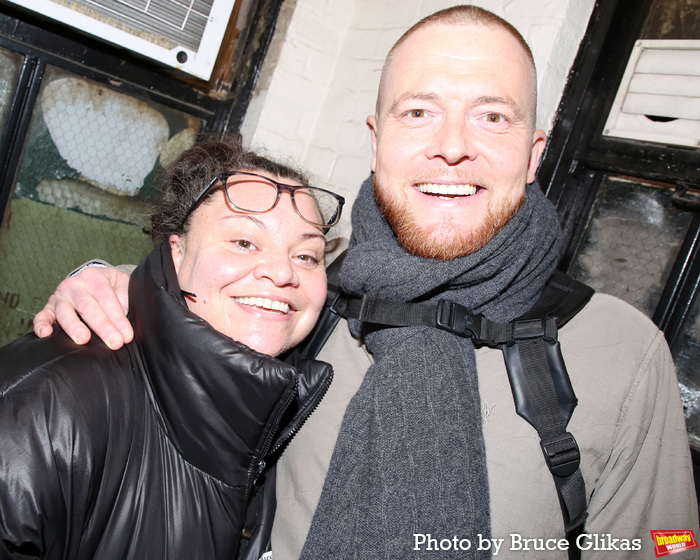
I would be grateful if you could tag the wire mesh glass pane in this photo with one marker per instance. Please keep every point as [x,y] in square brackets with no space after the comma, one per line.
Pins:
[632,242]
[688,368]
[88,170]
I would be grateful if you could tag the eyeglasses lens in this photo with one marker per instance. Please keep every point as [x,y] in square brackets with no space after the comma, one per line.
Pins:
[251,194]
[255,194]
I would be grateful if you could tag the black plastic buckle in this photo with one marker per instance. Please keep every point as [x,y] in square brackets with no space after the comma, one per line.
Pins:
[455,319]
[561,453]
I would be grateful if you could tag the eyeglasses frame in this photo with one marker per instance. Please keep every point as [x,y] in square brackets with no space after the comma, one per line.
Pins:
[281,187]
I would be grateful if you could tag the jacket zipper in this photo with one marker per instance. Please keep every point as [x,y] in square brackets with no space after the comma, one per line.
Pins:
[300,420]
[264,452]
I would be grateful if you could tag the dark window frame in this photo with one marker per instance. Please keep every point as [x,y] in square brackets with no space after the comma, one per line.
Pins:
[578,158]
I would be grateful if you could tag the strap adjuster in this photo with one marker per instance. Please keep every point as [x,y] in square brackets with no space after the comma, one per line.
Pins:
[528,329]
[561,453]
[335,302]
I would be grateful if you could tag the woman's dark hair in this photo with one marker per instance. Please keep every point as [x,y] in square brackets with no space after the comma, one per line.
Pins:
[196,168]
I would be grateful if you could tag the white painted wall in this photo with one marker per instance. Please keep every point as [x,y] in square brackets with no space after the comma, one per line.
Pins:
[320,77]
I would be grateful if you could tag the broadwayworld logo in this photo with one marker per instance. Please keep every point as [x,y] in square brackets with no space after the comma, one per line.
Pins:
[670,542]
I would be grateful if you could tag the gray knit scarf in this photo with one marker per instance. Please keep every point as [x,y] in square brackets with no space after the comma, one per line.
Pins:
[410,459]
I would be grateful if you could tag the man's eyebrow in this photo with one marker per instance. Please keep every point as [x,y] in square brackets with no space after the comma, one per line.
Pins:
[500,100]
[413,96]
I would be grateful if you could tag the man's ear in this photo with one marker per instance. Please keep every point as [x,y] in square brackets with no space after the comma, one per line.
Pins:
[177,250]
[539,140]
[372,124]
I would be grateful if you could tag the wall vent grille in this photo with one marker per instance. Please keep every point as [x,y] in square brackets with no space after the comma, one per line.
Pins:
[183,34]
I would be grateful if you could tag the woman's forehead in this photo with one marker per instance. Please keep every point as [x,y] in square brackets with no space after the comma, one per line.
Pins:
[272,176]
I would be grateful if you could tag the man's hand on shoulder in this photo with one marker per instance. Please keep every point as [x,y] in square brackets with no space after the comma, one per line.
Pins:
[98,295]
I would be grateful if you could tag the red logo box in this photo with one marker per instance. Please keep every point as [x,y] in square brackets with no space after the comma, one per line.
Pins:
[670,542]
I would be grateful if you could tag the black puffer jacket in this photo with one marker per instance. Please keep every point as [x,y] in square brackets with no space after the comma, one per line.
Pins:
[149,452]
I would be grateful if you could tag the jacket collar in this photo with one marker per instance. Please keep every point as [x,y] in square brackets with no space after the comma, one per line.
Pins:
[214,395]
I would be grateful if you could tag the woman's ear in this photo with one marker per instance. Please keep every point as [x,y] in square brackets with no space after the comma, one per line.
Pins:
[177,250]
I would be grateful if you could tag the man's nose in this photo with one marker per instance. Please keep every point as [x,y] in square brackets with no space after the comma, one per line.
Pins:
[277,268]
[453,141]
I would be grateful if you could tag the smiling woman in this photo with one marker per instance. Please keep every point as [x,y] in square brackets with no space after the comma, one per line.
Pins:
[248,248]
[186,417]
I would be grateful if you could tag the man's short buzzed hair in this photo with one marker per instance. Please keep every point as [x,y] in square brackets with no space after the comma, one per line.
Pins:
[460,15]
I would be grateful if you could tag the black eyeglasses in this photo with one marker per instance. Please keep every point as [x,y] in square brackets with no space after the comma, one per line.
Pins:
[322,208]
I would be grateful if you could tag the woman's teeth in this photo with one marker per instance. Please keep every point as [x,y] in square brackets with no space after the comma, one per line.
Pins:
[435,188]
[265,303]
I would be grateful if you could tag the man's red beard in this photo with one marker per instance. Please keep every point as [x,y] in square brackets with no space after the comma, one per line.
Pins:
[443,244]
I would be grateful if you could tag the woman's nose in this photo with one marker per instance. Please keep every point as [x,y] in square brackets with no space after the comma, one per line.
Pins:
[278,269]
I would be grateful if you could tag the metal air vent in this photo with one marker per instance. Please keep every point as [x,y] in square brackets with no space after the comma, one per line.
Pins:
[659,97]
[183,34]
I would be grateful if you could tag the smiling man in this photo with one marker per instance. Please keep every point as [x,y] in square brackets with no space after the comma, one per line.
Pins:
[417,450]
[454,139]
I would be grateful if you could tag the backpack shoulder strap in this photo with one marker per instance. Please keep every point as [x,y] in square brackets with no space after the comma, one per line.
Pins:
[562,298]
[544,396]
